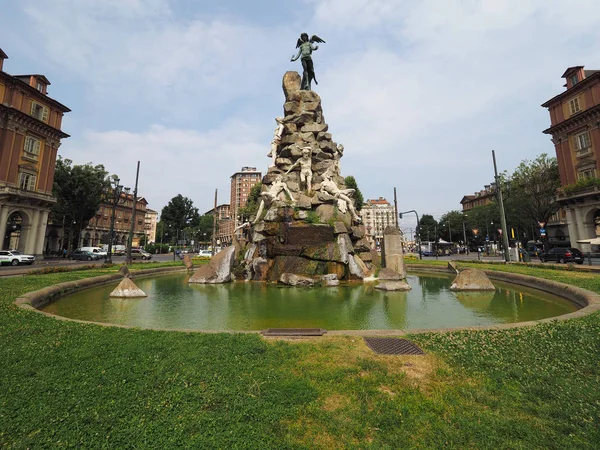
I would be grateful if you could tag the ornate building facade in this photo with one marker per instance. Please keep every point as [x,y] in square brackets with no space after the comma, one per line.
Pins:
[575,131]
[376,215]
[481,198]
[30,135]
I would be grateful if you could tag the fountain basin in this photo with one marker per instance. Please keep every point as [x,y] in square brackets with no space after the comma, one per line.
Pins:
[353,309]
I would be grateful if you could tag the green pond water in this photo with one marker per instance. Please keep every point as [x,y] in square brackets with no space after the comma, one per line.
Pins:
[173,303]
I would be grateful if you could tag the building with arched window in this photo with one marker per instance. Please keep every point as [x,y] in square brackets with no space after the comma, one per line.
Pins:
[575,131]
[30,134]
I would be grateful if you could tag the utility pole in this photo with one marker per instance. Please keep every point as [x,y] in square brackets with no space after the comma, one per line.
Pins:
[132,226]
[396,208]
[214,234]
[502,215]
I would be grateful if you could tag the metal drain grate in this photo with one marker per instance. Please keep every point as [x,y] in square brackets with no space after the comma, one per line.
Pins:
[294,332]
[393,346]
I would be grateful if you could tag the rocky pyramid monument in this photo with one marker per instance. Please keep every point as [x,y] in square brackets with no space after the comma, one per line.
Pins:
[306,223]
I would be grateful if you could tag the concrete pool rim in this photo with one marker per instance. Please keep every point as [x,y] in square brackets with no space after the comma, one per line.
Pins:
[587,301]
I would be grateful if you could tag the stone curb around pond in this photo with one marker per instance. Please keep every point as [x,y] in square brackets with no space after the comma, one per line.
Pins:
[42,297]
[588,301]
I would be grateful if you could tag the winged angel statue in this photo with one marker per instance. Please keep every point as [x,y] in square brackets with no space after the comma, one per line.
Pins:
[305,48]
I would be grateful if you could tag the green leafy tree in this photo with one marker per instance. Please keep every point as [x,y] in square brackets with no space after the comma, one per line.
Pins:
[179,215]
[350,182]
[428,228]
[450,226]
[79,190]
[251,207]
[204,230]
[483,221]
[533,187]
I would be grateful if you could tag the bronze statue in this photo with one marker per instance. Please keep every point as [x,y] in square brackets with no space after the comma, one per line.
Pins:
[305,48]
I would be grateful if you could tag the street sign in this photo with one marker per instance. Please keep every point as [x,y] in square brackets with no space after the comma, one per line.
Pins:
[499,230]
[542,232]
[487,239]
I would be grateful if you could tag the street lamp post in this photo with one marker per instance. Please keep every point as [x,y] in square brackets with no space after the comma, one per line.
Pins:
[114,196]
[502,214]
[418,237]
[132,225]
[465,239]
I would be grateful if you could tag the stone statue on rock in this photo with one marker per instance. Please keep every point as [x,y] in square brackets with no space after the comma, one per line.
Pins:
[305,48]
[270,195]
[328,186]
[305,163]
[337,155]
[276,139]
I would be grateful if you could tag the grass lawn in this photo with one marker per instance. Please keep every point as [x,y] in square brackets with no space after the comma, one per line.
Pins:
[65,384]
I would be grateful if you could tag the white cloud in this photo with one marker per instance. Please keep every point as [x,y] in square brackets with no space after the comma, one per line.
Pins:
[418,92]
[174,161]
[426,89]
[137,53]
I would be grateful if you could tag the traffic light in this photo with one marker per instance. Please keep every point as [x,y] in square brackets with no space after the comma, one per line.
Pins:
[400,215]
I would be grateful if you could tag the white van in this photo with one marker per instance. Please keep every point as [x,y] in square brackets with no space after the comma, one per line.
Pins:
[96,250]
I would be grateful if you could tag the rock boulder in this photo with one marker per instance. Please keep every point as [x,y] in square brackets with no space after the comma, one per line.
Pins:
[472,280]
[218,270]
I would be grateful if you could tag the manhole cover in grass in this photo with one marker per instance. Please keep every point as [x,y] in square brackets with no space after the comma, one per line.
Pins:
[393,346]
[294,332]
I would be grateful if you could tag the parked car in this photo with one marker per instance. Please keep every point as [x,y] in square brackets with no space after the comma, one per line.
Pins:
[85,255]
[428,253]
[15,257]
[562,255]
[138,253]
[205,254]
[97,250]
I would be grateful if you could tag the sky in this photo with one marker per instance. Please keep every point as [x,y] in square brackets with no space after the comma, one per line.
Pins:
[419,93]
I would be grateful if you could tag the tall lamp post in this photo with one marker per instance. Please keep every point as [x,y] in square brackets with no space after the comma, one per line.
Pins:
[418,237]
[132,225]
[114,197]
[502,213]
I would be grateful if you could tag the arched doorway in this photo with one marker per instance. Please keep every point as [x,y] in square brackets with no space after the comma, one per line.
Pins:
[12,234]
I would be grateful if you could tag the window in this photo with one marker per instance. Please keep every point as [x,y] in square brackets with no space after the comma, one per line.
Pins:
[40,112]
[40,87]
[574,105]
[582,143]
[574,80]
[32,147]
[27,181]
[586,173]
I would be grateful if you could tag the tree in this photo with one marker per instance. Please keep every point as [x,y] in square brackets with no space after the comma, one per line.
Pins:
[427,228]
[179,215]
[450,226]
[252,204]
[204,230]
[79,190]
[357,197]
[533,187]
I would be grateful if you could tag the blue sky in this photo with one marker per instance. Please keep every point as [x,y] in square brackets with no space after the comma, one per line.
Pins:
[419,93]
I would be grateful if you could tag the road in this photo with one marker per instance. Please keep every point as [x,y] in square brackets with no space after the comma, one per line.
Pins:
[8,271]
